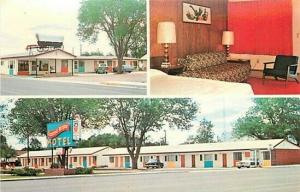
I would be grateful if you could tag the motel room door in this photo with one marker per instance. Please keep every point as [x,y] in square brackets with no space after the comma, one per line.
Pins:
[84,162]
[11,69]
[127,162]
[193,161]
[64,66]
[208,161]
[182,160]
[224,157]
[81,67]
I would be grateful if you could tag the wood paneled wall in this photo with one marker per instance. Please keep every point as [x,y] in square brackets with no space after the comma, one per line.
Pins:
[191,38]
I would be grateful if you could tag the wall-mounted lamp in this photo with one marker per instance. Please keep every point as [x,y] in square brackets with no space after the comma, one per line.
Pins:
[227,40]
[166,34]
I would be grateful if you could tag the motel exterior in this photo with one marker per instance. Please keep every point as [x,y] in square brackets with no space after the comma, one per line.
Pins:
[57,62]
[211,155]
[80,157]
[208,155]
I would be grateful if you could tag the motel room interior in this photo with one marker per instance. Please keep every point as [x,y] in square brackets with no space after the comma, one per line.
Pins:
[220,47]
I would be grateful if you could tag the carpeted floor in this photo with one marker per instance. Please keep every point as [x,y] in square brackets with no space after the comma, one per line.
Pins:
[273,87]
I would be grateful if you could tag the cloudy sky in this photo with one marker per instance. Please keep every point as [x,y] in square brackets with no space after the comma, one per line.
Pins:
[223,112]
[20,20]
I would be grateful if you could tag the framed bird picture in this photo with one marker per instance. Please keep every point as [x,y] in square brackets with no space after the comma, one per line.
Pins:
[196,14]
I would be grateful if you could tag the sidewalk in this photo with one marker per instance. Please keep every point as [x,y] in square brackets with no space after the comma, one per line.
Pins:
[133,80]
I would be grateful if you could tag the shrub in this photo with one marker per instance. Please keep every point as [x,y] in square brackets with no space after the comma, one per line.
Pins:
[26,172]
[82,171]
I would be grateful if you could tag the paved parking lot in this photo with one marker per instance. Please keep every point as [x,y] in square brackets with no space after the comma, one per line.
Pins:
[283,179]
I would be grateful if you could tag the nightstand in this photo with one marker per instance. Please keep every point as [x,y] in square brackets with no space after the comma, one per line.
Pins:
[173,70]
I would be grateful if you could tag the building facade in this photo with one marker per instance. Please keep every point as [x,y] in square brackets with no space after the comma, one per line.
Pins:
[79,157]
[212,155]
[57,62]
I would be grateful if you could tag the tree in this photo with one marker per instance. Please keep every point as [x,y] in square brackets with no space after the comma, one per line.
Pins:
[93,53]
[124,21]
[6,151]
[107,139]
[134,118]
[30,117]
[204,133]
[271,118]
[35,144]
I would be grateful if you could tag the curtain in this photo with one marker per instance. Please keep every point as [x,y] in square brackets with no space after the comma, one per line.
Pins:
[261,27]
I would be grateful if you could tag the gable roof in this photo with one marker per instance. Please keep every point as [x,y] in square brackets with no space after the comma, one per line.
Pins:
[26,54]
[74,151]
[204,147]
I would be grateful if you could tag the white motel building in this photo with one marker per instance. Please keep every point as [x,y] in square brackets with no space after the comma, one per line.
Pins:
[208,155]
[58,62]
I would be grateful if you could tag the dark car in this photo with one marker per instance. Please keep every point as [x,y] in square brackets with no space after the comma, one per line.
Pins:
[125,68]
[154,163]
[102,70]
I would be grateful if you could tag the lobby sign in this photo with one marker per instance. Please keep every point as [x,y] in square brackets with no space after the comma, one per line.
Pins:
[60,134]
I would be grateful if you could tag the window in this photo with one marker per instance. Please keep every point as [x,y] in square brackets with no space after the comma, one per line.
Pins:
[2,63]
[109,63]
[74,159]
[166,158]
[141,159]
[94,160]
[208,157]
[266,155]
[50,160]
[216,157]
[33,66]
[111,159]
[201,158]
[237,156]
[23,65]
[43,66]
[42,162]
[171,158]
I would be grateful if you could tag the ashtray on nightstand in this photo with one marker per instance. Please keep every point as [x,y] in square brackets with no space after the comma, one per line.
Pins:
[173,69]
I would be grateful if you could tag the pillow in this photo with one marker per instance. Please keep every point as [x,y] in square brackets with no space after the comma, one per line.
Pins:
[155,72]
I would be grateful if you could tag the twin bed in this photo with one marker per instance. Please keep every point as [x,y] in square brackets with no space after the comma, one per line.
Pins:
[167,85]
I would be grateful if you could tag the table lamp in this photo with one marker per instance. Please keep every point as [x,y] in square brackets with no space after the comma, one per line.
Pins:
[228,40]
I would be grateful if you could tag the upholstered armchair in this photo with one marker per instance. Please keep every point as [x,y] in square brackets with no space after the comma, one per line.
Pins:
[284,67]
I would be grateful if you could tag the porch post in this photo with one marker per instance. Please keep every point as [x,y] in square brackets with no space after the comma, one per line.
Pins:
[36,68]
[72,67]
[55,64]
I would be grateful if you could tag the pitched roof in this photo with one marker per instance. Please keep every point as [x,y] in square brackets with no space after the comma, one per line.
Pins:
[204,147]
[104,58]
[74,151]
[34,54]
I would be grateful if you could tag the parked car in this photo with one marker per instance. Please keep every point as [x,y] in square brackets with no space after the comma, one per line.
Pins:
[125,68]
[247,164]
[102,70]
[154,163]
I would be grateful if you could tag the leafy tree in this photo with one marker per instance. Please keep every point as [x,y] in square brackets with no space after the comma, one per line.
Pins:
[134,118]
[30,117]
[6,151]
[204,133]
[93,53]
[106,139]
[35,144]
[271,118]
[124,22]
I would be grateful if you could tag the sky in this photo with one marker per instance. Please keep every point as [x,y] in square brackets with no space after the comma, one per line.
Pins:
[221,111]
[20,20]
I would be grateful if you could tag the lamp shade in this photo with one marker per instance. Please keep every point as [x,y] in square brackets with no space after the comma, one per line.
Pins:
[166,32]
[228,38]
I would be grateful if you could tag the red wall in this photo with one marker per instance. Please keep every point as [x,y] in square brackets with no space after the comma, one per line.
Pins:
[285,156]
[262,27]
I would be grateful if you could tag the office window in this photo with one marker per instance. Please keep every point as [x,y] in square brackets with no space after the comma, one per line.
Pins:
[111,159]
[23,65]
[43,66]
[237,156]
[266,155]
[201,158]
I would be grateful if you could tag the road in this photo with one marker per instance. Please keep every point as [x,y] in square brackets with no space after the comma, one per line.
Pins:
[14,86]
[286,179]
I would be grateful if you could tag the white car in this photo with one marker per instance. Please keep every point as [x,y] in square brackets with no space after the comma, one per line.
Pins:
[247,164]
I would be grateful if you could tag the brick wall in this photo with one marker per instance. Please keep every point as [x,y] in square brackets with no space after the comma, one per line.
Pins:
[285,156]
